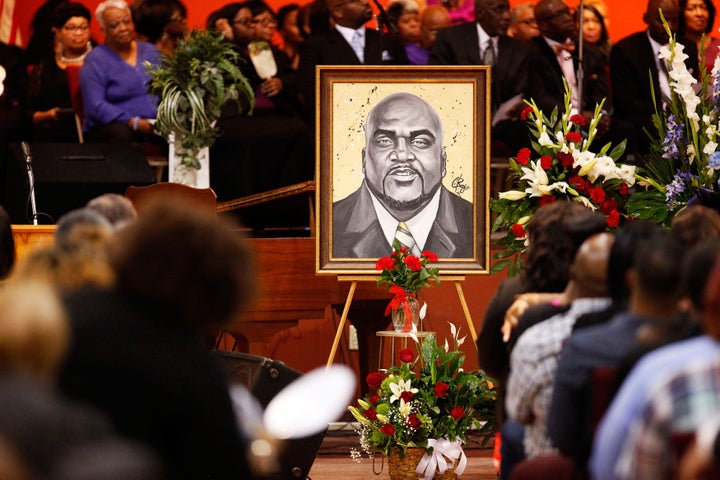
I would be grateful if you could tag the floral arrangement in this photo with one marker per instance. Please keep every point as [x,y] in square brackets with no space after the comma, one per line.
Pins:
[561,167]
[405,274]
[428,401]
[684,160]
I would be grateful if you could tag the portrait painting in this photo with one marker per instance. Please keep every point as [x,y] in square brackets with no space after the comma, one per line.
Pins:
[402,158]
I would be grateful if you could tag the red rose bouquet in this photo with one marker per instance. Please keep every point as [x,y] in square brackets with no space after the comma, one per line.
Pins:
[427,401]
[405,274]
[559,166]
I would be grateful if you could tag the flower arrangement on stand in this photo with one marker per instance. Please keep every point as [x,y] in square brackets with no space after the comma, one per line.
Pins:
[426,402]
[559,166]
[684,159]
[405,274]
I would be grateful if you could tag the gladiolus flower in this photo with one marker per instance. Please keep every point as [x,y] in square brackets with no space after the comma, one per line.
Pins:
[566,159]
[526,111]
[573,137]
[578,119]
[623,189]
[546,162]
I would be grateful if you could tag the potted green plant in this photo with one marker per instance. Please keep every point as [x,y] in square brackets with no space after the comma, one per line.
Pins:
[193,83]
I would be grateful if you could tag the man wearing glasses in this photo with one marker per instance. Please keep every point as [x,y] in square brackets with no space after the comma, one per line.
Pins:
[523,26]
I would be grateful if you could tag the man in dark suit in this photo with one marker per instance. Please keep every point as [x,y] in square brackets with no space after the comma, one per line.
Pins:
[469,43]
[402,197]
[635,69]
[348,43]
[554,59]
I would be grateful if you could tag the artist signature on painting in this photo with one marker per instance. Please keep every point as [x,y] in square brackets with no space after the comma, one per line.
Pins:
[458,184]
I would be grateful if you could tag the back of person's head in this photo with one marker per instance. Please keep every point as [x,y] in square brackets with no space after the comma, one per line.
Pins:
[555,232]
[697,267]
[258,7]
[694,224]
[67,10]
[110,459]
[658,268]
[711,302]
[283,12]
[82,228]
[7,245]
[629,239]
[178,260]
[314,18]
[588,271]
[42,40]
[226,12]
[34,333]
[116,208]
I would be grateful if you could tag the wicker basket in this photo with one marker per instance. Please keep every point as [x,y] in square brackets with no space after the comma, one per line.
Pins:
[404,469]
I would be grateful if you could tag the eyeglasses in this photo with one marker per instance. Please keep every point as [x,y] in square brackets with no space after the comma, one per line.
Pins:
[564,12]
[245,22]
[266,22]
[76,28]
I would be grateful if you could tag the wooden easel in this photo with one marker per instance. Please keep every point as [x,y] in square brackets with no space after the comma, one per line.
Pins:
[351,292]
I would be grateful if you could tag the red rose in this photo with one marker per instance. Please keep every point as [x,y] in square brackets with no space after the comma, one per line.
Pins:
[388,430]
[623,189]
[407,396]
[413,262]
[578,119]
[608,206]
[526,111]
[430,256]
[370,413]
[546,162]
[578,183]
[407,355]
[546,200]
[566,159]
[441,389]
[573,137]
[385,263]
[518,230]
[413,421]
[374,379]
[457,413]
[523,156]
[613,220]
[597,195]
[374,399]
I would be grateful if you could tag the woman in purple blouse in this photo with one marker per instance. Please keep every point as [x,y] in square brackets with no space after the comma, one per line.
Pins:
[114,80]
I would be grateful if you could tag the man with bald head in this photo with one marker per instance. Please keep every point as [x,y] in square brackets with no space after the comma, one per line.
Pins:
[633,63]
[349,42]
[534,359]
[432,19]
[402,196]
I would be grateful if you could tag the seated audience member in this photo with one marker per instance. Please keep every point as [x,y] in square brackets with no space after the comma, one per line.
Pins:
[289,29]
[534,360]
[7,245]
[694,224]
[696,25]
[274,143]
[405,15]
[116,208]
[42,41]
[432,19]
[314,19]
[114,81]
[50,100]
[654,282]
[633,61]
[220,21]
[595,34]
[553,63]
[160,22]
[701,461]
[13,91]
[523,26]
[484,42]
[146,350]
[348,42]
[554,234]
[633,423]
[460,11]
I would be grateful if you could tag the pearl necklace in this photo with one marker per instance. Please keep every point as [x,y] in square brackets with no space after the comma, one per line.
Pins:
[78,59]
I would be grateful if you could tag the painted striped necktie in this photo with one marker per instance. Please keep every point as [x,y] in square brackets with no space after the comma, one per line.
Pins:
[403,235]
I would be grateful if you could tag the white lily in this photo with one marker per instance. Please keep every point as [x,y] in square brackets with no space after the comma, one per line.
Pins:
[400,387]
[512,195]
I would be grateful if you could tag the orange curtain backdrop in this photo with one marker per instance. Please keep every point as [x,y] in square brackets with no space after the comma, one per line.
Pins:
[625,16]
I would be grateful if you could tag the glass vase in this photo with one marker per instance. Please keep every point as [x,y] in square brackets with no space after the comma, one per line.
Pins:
[400,322]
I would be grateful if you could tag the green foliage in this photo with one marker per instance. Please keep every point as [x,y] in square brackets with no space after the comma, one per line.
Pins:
[193,83]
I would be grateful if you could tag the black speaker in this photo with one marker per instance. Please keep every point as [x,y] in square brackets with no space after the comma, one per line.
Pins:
[265,378]
[68,175]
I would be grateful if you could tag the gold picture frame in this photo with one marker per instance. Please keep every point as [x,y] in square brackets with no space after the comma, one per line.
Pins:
[459,98]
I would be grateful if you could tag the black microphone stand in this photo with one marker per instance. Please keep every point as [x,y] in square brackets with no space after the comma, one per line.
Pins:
[383,19]
[580,73]
[31,180]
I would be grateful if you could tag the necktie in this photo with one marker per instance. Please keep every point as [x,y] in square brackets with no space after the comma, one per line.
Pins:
[403,235]
[489,53]
[357,46]
[564,48]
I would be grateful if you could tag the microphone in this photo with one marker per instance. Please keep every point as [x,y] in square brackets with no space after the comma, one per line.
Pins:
[31,180]
[385,19]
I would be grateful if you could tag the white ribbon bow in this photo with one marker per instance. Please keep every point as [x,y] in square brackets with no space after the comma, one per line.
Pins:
[445,454]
